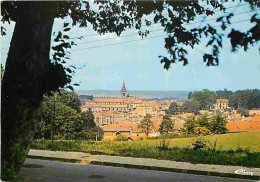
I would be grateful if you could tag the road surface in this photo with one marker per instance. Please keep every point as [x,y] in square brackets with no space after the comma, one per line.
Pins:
[43,170]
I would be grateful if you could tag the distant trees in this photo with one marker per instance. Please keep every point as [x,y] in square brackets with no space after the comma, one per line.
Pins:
[243,111]
[146,124]
[245,98]
[189,95]
[190,106]
[173,109]
[205,98]
[167,125]
[90,97]
[61,114]
[199,100]
[205,124]
[223,94]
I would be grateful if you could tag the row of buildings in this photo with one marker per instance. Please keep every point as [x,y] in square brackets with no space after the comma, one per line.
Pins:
[122,115]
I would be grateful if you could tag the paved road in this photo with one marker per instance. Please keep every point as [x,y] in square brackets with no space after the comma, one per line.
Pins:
[42,170]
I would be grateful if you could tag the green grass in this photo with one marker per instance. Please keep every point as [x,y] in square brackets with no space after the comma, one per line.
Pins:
[179,150]
[224,142]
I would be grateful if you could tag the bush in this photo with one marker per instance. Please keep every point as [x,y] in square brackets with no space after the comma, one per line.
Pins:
[199,144]
[121,138]
[243,111]
[94,134]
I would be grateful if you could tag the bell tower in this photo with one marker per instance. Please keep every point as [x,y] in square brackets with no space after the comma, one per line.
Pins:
[123,90]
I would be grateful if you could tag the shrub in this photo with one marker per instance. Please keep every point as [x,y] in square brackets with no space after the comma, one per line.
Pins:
[199,144]
[121,138]
[243,111]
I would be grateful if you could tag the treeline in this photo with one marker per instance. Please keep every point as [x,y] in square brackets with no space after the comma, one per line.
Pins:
[83,97]
[61,115]
[242,98]
[205,100]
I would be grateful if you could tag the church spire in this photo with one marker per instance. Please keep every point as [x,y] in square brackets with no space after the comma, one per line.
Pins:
[123,90]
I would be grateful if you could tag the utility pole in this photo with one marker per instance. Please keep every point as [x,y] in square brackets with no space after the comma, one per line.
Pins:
[53,118]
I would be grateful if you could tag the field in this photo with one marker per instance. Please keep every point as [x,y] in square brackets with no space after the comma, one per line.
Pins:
[225,142]
[242,149]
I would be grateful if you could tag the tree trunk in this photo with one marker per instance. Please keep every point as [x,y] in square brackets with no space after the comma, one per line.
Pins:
[24,84]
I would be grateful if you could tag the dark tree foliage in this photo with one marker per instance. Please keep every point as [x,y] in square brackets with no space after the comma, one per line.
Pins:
[70,99]
[191,106]
[189,95]
[203,120]
[146,124]
[173,109]
[167,124]
[223,94]
[243,111]
[29,73]
[171,15]
[206,124]
[89,120]
[218,124]
[95,133]
[190,124]
[245,98]
[205,98]
[63,109]
[90,97]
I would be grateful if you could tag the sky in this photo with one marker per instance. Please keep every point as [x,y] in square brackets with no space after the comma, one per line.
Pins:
[137,63]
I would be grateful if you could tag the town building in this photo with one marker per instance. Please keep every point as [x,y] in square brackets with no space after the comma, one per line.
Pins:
[221,104]
[123,90]
[116,115]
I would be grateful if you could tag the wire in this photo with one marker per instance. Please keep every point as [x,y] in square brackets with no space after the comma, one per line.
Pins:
[141,39]
[93,47]
[127,35]
[149,31]
[164,13]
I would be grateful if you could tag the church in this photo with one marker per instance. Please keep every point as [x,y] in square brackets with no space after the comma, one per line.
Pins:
[123,104]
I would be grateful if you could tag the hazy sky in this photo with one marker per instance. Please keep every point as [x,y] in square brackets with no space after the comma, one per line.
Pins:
[137,63]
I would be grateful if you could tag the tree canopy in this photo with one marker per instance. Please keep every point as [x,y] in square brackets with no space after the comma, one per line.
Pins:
[167,124]
[205,98]
[63,109]
[146,124]
[205,124]
[117,16]
[173,109]
[191,106]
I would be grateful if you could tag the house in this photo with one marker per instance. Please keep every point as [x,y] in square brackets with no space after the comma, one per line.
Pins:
[115,131]
[221,104]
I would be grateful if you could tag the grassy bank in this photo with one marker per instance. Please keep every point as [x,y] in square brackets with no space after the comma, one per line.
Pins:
[229,141]
[178,150]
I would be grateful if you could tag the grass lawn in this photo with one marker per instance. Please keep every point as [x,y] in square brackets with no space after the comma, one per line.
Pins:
[224,142]
[179,149]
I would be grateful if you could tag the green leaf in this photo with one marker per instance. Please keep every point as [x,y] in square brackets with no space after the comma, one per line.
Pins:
[65,24]
[66,29]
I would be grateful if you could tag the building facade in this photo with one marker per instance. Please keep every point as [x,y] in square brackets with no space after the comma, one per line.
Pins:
[221,104]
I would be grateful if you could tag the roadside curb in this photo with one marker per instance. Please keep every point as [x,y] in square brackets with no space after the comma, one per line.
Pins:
[177,170]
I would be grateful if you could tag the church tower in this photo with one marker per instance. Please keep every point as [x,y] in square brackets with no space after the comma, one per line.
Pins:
[123,90]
